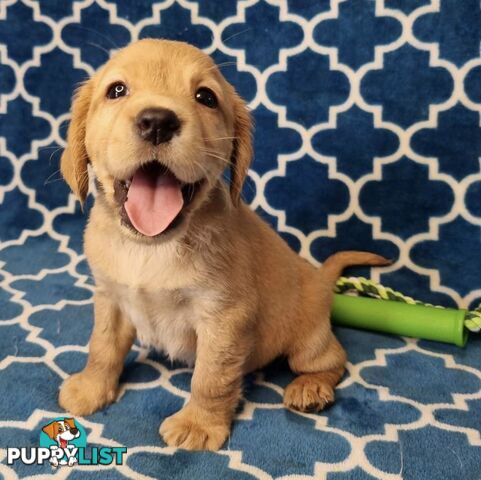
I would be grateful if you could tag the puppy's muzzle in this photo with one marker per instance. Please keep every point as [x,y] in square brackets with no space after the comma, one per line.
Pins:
[157,125]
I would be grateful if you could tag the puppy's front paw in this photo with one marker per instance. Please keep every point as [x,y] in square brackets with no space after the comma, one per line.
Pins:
[191,429]
[306,394]
[84,394]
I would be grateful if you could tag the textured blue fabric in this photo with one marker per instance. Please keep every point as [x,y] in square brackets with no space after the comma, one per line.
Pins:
[367,137]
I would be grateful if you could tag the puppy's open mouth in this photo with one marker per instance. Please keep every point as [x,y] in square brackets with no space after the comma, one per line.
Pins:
[153,200]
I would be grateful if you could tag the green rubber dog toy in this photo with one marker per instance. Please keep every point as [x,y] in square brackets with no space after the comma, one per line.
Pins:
[389,311]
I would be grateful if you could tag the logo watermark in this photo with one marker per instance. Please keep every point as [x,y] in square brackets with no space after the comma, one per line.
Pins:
[63,442]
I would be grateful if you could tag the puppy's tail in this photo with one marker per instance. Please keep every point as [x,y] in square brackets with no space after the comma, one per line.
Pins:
[333,266]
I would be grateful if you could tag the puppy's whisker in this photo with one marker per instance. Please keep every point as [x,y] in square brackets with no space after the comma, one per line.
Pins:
[96,32]
[229,164]
[236,34]
[219,138]
[221,65]
[246,185]
[233,166]
[53,153]
[223,160]
[52,181]
[209,150]
[202,167]
[48,181]
[226,64]
[57,147]
[99,47]
[212,154]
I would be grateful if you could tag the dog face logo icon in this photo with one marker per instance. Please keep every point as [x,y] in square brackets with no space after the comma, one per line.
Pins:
[62,436]
[62,431]
[63,443]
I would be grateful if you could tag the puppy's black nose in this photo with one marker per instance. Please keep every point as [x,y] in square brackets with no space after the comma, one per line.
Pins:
[157,125]
[74,431]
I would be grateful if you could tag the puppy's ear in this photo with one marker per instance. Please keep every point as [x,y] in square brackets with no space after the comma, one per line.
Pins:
[50,430]
[70,422]
[242,151]
[74,158]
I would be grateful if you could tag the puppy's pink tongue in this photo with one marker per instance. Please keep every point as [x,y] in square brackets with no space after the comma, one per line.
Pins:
[153,202]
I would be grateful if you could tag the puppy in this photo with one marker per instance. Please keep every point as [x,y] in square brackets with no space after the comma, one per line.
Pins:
[62,431]
[180,262]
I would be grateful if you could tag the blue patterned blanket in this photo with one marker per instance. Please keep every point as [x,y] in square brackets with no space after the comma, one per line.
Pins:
[368,137]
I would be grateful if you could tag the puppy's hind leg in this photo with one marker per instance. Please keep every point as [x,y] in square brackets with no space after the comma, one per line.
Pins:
[96,386]
[320,369]
[317,355]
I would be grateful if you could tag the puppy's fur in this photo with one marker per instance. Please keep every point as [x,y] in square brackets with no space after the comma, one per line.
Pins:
[220,288]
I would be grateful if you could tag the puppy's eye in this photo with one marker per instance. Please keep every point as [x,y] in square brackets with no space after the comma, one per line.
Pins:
[206,97]
[116,90]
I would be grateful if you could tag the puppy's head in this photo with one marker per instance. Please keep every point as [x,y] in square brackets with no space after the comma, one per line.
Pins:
[158,124]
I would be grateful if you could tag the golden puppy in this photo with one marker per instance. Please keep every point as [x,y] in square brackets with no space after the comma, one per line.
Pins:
[179,261]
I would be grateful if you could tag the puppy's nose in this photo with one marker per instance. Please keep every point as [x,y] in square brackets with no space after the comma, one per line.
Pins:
[74,431]
[157,125]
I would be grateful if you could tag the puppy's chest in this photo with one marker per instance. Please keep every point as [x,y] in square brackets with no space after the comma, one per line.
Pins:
[166,319]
